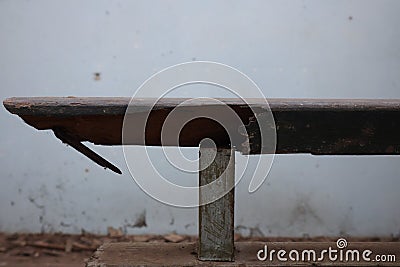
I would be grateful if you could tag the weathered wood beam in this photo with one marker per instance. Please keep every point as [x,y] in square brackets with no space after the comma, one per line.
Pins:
[316,126]
[216,219]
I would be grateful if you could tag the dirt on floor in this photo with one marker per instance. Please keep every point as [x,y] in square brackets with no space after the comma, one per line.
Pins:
[74,250]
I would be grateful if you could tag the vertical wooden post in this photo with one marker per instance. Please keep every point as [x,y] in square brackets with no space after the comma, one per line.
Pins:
[216,222]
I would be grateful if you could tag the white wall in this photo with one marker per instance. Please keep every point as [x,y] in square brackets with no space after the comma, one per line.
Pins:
[331,49]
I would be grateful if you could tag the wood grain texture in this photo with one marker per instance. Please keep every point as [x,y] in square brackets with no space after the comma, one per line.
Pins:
[216,219]
[72,106]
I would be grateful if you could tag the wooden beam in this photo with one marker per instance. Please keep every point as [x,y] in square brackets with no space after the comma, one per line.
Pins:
[216,219]
[316,126]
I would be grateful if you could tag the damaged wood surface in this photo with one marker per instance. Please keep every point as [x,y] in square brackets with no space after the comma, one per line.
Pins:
[316,126]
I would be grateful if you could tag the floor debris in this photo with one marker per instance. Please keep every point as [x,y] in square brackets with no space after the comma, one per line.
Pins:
[71,250]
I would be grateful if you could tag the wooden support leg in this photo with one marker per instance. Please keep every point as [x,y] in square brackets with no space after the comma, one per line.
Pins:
[216,226]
